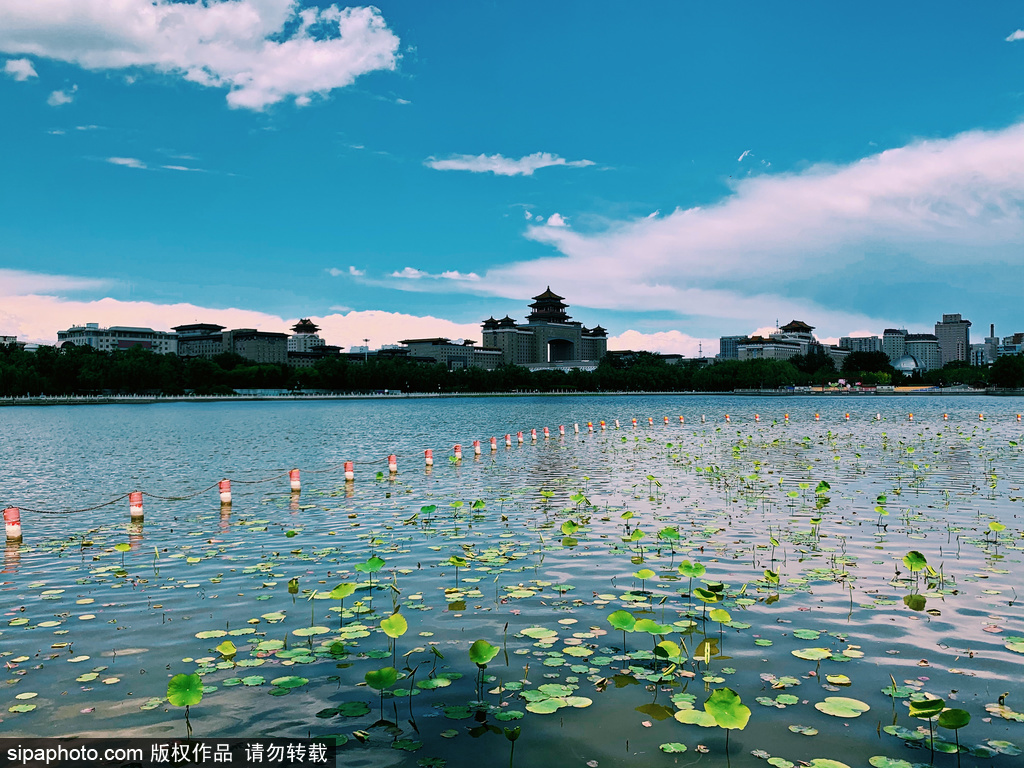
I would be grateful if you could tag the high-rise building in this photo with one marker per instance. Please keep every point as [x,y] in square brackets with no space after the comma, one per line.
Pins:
[861,343]
[894,343]
[305,338]
[728,348]
[954,337]
[925,349]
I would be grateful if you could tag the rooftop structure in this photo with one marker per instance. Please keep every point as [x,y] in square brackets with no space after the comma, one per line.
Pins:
[118,337]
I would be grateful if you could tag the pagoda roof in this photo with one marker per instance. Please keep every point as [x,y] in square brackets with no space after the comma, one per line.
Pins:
[548,295]
[305,325]
[797,326]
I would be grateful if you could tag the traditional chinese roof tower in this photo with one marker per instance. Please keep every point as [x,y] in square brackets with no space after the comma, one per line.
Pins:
[305,325]
[548,307]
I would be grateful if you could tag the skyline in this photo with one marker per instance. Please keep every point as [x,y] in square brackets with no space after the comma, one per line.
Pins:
[240,163]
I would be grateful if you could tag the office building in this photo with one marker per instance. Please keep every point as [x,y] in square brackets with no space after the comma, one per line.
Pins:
[118,337]
[954,337]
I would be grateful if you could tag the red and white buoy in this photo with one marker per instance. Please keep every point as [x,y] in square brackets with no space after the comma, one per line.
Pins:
[350,471]
[634,422]
[1018,417]
[945,417]
[757,417]
[476,447]
[494,444]
[547,434]
[590,426]
[561,430]
[910,417]
[135,505]
[727,417]
[392,464]
[224,488]
[533,435]
[847,417]
[508,441]
[650,421]
[428,457]
[12,523]
[519,437]
[786,417]
[458,452]
[294,480]
[576,429]
[603,425]
[682,420]
[981,417]
[817,417]
[616,423]
[666,419]
[878,417]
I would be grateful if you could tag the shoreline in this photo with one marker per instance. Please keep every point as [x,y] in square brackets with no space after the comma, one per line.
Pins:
[157,399]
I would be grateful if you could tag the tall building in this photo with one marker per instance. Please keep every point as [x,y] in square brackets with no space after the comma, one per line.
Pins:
[118,337]
[794,338]
[894,343]
[305,337]
[548,339]
[954,337]
[728,348]
[204,340]
[925,349]
[258,346]
[861,343]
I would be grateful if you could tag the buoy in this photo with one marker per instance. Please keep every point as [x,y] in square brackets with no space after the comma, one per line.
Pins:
[294,480]
[428,457]
[576,428]
[1018,417]
[727,417]
[135,505]
[817,417]
[847,417]
[476,447]
[945,417]
[12,523]
[878,417]
[350,473]
[494,444]
[602,426]
[702,419]
[458,452]
[682,420]
[666,419]
[910,417]
[533,435]
[650,421]
[981,417]
[224,487]
[508,441]
[519,437]
[561,430]
[392,464]
[590,426]
[757,417]
[786,418]
[546,433]
[616,423]
[634,422]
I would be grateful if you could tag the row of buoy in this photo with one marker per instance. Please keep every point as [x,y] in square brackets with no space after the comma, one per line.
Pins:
[12,515]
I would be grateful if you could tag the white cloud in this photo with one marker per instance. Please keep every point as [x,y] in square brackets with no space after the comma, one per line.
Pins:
[410,274]
[556,220]
[356,272]
[60,98]
[20,69]
[1018,35]
[666,342]
[740,158]
[503,166]
[176,168]
[402,101]
[127,162]
[263,51]
[528,215]
[34,307]
[87,127]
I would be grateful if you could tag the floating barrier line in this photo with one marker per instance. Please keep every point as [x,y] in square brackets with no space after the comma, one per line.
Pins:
[122,497]
[182,498]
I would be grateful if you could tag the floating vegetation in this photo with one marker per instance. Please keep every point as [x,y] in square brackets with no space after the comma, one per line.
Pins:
[838,594]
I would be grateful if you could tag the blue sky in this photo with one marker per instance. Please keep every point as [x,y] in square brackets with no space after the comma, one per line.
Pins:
[688,170]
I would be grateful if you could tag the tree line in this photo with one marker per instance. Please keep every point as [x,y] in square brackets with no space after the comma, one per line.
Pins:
[87,371]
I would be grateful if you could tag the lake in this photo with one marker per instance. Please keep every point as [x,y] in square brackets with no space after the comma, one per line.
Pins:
[827,575]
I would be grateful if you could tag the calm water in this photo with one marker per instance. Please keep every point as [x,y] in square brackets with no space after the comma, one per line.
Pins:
[95,632]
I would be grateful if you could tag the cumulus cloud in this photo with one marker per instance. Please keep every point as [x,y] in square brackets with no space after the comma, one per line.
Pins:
[411,273]
[503,166]
[34,307]
[665,342]
[556,220]
[1018,35]
[60,98]
[20,69]
[356,272]
[262,51]
[127,162]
